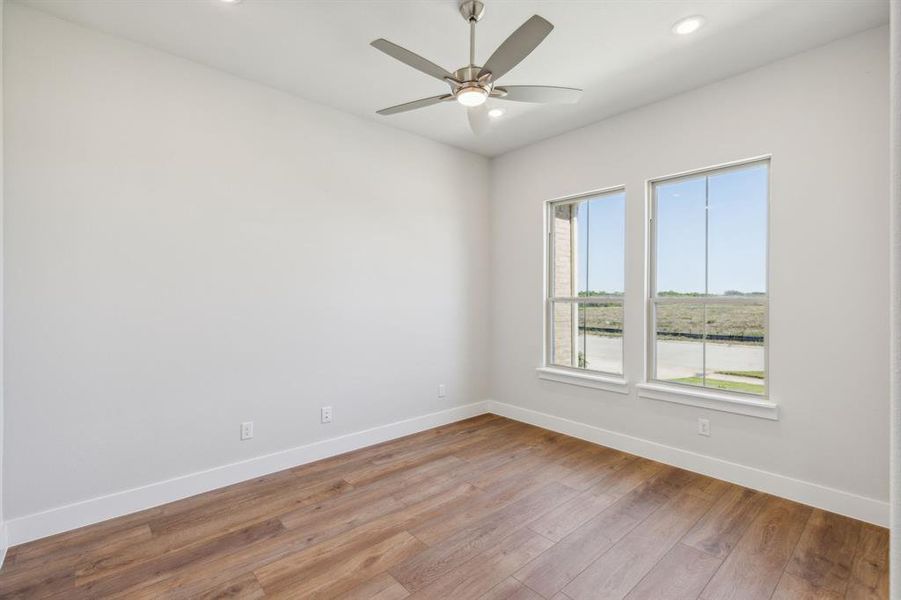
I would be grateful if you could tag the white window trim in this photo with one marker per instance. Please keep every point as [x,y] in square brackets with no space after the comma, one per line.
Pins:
[735,402]
[588,379]
[742,404]
[602,380]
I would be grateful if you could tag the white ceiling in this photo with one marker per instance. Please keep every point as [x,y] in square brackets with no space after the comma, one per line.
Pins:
[623,53]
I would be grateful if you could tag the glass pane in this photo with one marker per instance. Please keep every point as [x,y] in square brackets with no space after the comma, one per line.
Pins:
[681,233]
[588,245]
[680,343]
[601,236]
[601,337]
[735,348]
[737,225]
[563,345]
[564,230]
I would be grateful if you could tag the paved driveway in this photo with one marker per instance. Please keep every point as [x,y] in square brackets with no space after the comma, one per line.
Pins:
[678,358]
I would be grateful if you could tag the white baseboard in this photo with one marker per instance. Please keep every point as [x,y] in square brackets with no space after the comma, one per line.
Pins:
[805,492]
[72,516]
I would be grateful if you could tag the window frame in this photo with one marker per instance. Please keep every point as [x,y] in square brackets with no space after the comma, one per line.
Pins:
[605,380]
[758,404]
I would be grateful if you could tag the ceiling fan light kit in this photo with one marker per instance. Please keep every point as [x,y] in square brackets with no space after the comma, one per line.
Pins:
[473,85]
[471,96]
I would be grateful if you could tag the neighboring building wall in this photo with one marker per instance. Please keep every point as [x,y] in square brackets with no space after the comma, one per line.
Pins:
[564,317]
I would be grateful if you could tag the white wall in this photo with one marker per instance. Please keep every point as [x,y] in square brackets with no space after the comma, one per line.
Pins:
[3,536]
[187,250]
[823,115]
[895,550]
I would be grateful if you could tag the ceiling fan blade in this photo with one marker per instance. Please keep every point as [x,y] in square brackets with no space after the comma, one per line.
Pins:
[411,58]
[479,121]
[393,110]
[518,46]
[539,93]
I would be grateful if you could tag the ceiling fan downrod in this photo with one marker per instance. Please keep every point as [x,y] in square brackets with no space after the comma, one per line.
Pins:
[472,11]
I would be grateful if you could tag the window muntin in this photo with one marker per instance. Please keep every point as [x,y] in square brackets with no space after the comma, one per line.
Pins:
[586,283]
[708,301]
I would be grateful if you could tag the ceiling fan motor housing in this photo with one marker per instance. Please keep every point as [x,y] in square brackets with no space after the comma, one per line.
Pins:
[470,77]
[467,80]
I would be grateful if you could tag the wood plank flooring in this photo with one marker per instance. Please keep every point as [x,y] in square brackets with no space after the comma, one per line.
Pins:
[487,508]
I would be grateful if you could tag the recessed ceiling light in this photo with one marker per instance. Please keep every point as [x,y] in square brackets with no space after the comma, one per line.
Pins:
[688,25]
[494,113]
[229,1]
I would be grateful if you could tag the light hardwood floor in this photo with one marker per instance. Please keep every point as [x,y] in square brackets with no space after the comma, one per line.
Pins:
[485,508]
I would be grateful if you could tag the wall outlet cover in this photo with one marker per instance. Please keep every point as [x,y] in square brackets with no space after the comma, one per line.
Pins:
[704,427]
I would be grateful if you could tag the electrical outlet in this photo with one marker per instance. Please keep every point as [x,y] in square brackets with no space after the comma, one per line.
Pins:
[326,414]
[246,430]
[442,390]
[704,427]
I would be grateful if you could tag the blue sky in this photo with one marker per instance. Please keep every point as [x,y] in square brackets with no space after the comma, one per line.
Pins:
[736,242]
[736,245]
[601,240]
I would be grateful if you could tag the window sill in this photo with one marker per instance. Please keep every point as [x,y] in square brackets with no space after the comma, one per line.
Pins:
[607,383]
[763,409]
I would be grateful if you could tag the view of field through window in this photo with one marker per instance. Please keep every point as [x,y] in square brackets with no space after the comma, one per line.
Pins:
[587,283]
[709,304]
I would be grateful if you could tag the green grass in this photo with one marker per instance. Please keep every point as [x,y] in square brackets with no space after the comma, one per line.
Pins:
[732,386]
[752,374]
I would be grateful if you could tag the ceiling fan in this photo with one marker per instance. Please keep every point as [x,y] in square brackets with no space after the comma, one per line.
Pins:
[472,85]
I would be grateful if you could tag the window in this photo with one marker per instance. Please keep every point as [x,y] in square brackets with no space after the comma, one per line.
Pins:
[584,308]
[708,301]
